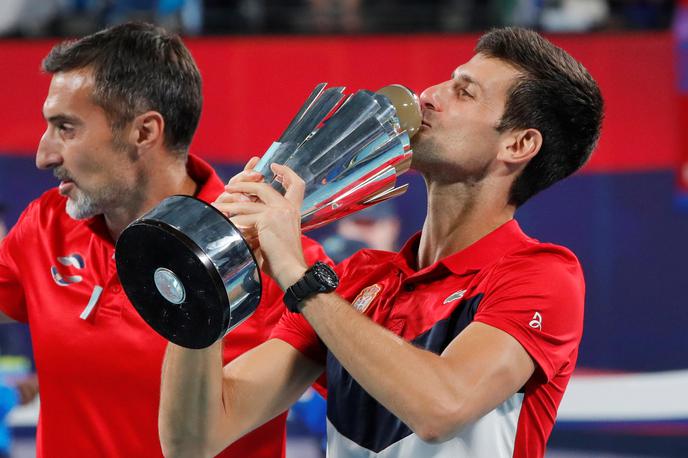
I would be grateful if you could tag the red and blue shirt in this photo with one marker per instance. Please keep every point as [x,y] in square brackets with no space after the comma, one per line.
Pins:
[533,291]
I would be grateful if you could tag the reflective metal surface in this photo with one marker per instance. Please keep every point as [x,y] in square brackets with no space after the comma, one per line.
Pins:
[188,271]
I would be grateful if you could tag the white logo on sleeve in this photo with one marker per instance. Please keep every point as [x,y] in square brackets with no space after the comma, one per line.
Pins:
[536,322]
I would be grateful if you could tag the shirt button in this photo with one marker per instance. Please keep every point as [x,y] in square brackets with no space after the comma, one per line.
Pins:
[116,289]
[409,287]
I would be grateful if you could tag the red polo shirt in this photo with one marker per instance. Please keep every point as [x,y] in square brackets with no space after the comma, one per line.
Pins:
[533,291]
[100,375]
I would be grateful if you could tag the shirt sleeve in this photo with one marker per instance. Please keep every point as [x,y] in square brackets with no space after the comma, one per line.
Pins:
[537,297]
[14,245]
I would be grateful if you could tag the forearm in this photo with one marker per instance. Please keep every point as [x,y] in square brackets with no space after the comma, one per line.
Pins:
[435,395]
[414,384]
[191,400]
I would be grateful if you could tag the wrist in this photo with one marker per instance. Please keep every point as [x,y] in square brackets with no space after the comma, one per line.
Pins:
[289,276]
[317,279]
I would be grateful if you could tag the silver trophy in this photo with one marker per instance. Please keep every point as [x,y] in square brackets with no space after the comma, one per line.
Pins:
[188,270]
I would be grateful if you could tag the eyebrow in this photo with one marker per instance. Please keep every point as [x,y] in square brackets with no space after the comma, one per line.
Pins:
[466,78]
[61,119]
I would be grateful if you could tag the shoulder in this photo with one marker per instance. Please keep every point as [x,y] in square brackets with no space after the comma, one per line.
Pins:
[548,274]
[43,210]
[545,259]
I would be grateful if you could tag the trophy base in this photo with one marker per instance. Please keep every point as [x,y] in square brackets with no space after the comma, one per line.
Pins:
[179,274]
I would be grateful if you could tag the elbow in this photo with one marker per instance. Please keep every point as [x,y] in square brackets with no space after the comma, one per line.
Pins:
[171,449]
[183,449]
[178,445]
[440,423]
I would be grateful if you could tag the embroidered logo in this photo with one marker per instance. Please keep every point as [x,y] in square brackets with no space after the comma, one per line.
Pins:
[454,296]
[536,322]
[74,260]
[366,297]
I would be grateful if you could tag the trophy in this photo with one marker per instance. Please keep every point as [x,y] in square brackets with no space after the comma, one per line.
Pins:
[188,270]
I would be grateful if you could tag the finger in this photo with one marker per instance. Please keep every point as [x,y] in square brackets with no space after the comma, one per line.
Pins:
[251,164]
[240,208]
[292,183]
[246,175]
[249,233]
[246,224]
[263,191]
[228,197]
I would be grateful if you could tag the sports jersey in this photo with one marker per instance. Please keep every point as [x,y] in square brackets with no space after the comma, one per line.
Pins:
[98,362]
[533,291]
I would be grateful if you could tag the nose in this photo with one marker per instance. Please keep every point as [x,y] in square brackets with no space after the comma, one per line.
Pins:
[48,154]
[429,98]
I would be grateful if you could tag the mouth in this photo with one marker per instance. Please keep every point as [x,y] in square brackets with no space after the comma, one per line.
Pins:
[65,186]
[66,183]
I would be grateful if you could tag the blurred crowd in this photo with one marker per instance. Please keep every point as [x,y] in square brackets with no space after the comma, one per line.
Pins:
[36,18]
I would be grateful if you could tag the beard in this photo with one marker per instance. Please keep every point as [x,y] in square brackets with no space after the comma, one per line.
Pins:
[83,203]
[84,206]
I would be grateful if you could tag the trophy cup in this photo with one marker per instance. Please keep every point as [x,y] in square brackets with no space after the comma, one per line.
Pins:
[188,270]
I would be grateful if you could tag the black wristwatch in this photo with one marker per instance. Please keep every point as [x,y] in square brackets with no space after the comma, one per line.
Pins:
[319,278]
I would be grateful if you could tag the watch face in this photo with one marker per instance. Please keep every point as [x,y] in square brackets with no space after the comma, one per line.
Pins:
[326,276]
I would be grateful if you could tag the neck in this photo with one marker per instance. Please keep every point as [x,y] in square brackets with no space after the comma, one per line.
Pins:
[155,184]
[460,214]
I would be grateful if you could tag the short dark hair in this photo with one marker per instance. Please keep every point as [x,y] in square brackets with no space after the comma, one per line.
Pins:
[138,67]
[555,95]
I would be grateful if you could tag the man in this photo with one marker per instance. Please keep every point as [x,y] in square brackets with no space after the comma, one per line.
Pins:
[121,111]
[463,343]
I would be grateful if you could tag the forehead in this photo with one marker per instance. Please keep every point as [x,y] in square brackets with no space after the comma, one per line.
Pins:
[493,76]
[70,93]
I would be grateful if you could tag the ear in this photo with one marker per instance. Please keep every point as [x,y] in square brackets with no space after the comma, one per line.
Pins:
[520,146]
[147,131]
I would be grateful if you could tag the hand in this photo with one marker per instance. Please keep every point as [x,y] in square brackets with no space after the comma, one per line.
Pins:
[247,175]
[276,220]
[28,389]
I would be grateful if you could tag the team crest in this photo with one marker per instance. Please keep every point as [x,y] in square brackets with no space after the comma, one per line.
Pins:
[366,297]
[72,261]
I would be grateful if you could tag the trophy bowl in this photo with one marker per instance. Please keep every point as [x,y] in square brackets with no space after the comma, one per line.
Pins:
[187,269]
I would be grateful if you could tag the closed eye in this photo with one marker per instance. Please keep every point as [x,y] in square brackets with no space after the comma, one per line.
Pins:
[462,92]
[466,93]
[66,130]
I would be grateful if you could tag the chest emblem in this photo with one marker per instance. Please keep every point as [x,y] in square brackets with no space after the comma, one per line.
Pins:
[454,296]
[71,261]
[366,297]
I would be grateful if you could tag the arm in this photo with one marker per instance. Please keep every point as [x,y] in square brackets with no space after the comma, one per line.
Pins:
[435,395]
[204,408]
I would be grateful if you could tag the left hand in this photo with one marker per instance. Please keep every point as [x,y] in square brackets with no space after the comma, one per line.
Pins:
[250,175]
[276,220]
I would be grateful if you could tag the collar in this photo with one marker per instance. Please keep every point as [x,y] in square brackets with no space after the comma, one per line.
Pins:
[210,186]
[482,253]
